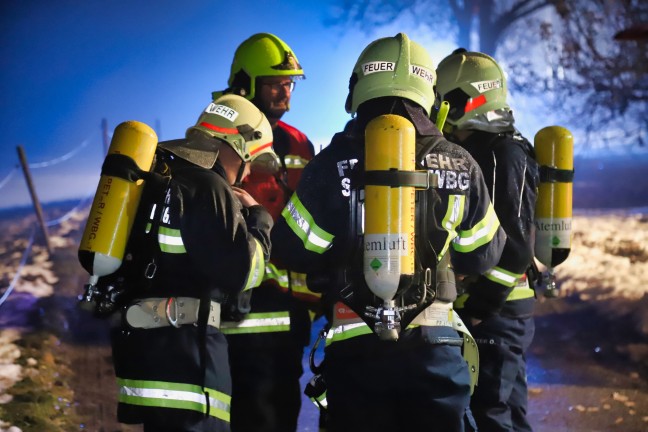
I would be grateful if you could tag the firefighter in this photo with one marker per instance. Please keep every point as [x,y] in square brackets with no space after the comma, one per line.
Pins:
[266,345]
[497,306]
[420,381]
[198,242]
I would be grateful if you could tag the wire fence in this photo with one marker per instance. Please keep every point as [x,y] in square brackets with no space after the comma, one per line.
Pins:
[5,292]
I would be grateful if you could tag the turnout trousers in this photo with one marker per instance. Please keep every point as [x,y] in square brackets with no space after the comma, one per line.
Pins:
[409,385]
[499,402]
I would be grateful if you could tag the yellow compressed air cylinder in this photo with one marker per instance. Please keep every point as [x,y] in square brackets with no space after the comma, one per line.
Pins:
[115,203]
[554,148]
[389,215]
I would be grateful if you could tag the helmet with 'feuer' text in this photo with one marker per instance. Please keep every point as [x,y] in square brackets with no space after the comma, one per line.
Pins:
[475,87]
[392,66]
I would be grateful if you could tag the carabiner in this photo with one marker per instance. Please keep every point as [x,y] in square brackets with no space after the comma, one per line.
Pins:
[171,311]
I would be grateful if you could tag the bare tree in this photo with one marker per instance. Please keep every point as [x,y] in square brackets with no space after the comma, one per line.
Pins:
[488,18]
[593,80]
[563,51]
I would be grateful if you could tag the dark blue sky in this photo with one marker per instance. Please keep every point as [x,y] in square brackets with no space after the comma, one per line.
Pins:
[68,64]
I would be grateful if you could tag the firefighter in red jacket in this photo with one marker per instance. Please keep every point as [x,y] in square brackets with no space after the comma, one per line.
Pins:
[266,345]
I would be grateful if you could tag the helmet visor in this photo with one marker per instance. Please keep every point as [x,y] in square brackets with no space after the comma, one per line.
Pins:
[266,163]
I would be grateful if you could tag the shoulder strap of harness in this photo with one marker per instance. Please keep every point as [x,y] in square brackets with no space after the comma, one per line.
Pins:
[427,283]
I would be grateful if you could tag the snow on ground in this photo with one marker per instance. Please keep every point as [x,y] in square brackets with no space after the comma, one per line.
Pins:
[608,265]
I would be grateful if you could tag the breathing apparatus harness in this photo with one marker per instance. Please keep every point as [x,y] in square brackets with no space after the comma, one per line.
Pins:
[112,291]
[415,293]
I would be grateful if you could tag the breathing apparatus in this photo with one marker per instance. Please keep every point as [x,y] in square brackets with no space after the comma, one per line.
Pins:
[230,120]
[554,148]
[114,207]
[391,67]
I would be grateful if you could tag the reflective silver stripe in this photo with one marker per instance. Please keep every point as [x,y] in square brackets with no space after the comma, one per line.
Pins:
[302,224]
[295,161]
[257,267]
[478,235]
[347,331]
[174,395]
[502,277]
[279,275]
[452,218]
[170,240]
[258,323]
[320,400]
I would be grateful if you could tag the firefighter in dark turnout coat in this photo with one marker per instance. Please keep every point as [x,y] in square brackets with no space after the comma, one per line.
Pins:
[266,345]
[210,241]
[421,381]
[498,306]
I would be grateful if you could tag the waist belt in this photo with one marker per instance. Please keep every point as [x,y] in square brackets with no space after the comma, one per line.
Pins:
[158,312]
[435,315]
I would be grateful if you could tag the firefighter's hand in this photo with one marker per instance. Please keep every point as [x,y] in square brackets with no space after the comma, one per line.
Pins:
[245,198]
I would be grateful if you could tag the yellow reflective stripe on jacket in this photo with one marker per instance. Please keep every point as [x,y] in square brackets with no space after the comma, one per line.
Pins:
[503,277]
[480,234]
[295,161]
[346,331]
[301,222]
[280,276]
[257,267]
[294,281]
[300,289]
[170,240]
[164,394]
[460,301]
[258,322]
[521,291]
[452,218]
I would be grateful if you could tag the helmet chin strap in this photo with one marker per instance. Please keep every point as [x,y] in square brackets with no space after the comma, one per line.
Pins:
[239,174]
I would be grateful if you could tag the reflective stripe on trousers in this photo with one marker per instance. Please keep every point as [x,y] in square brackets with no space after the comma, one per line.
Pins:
[163,394]
[258,322]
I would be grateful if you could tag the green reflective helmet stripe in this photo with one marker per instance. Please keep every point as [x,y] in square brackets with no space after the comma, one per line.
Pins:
[393,66]
[475,87]
[262,55]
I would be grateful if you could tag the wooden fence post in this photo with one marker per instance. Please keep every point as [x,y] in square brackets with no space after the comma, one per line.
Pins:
[32,192]
[104,135]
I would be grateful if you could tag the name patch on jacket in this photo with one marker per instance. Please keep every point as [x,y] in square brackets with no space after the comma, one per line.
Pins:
[453,173]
